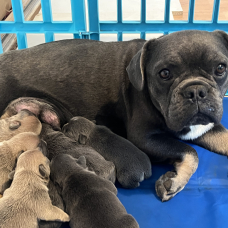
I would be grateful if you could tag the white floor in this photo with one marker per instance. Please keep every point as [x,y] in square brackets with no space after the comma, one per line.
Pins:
[61,11]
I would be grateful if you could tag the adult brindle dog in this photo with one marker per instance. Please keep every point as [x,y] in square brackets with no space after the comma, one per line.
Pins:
[151,92]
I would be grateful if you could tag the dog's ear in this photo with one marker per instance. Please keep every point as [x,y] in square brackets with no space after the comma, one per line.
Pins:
[136,68]
[43,147]
[43,172]
[82,161]
[82,139]
[223,34]
[14,125]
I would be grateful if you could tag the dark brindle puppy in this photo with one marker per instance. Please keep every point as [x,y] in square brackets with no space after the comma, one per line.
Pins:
[90,200]
[151,92]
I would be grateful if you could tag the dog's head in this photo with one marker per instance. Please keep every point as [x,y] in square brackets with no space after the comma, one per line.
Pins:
[23,121]
[185,74]
[63,165]
[34,161]
[79,129]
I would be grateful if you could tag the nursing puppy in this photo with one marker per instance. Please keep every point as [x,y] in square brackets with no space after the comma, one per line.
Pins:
[27,200]
[90,200]
[109,145]
[10,150]
[58,143]
[23,121]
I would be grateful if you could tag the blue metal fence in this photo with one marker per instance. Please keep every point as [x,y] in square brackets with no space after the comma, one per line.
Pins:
[78,24]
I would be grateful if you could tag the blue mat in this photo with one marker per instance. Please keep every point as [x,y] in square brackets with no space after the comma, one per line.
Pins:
[203,203]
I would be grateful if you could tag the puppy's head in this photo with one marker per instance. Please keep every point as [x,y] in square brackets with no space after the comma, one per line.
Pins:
[63,165]
[23,121]
[185,74]
[35,162]
[79,129]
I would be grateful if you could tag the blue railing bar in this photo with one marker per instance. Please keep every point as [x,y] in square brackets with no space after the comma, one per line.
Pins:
[46,10]
[143,11]
[191,11]
[17,10]
[167,10]
[1,49]
[216,11]
[143,35]
[21,40]
[120,36]
[164,28]
[93,19]
[38,27]
[78,15]
[49,37]
[119,11]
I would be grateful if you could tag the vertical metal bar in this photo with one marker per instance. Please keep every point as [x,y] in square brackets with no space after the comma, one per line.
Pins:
[78,16]
[216,11]
[143,11]
[93,17]
[191,11]
[21,40]
[46,10]
[17,10]
[119,19]
[167,10]
[47,18]
[1,49]
[143,35]
[19,18]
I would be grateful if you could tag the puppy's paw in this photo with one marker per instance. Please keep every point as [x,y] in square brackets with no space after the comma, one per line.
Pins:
[132,173]
[168,185]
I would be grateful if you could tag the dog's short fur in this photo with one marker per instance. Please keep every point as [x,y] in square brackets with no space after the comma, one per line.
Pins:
[27,200]
[90,200]
[58,143]
[109,145]
[151,92]
[23,121]
[11,149]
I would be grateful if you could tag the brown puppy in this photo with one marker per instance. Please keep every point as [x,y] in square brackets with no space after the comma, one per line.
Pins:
[11,149]
[90,200]
[24,121]
[27,200]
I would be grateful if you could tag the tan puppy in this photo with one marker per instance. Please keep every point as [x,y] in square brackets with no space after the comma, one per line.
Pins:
[24,121]
[27,200]
[9,151]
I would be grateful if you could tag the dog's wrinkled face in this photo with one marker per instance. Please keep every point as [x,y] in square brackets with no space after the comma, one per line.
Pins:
[186,75]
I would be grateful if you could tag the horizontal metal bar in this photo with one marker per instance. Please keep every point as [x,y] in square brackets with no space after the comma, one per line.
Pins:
[38,27]
[162,27]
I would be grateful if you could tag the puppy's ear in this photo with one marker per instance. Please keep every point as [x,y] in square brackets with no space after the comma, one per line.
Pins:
[82,139]
[14,125]
[136,68]
[82,161]
[43,147]
[43,172]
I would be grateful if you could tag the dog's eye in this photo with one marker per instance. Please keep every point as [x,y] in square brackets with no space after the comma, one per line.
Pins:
[220,69]
[165,74]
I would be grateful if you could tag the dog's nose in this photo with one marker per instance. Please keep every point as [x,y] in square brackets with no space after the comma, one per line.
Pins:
[195,92]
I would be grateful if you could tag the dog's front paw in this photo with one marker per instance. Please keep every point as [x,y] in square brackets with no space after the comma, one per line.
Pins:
[132,173]
[168,185]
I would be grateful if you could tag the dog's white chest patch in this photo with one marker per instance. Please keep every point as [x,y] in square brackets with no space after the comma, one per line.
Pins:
[196,131]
